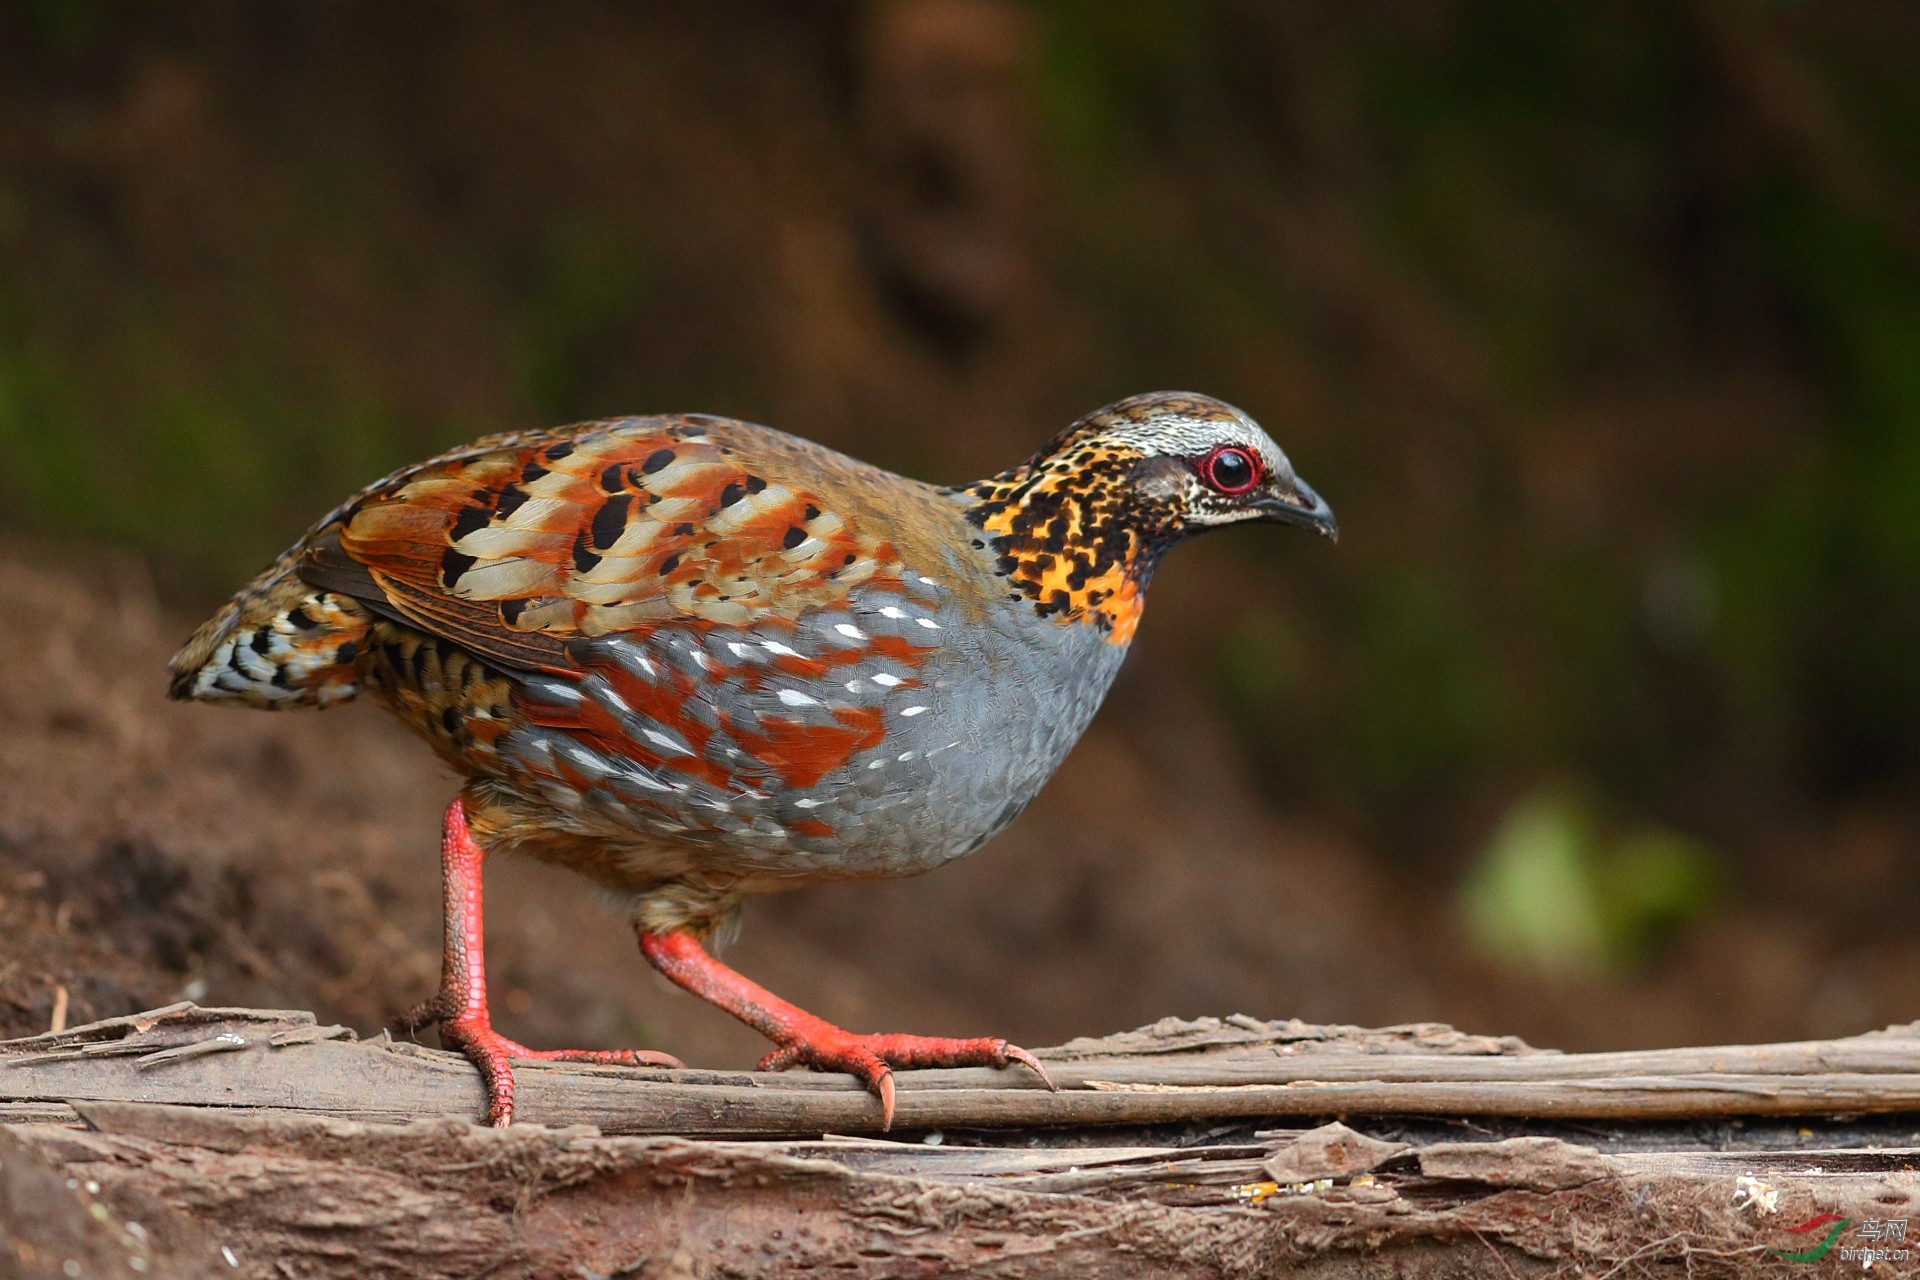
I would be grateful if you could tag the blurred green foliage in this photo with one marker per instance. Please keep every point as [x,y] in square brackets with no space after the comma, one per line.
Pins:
[1600,325]
[1555,893]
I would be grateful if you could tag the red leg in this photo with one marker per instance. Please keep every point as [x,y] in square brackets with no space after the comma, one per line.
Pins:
[805,1039]
[461,1006]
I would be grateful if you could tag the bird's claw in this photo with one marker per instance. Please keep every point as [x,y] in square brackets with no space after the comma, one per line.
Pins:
[1016,1054]
[872,1058]
[492,1054]
[423,1015]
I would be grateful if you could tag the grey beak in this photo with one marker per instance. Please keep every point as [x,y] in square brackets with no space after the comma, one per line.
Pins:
[1303,507]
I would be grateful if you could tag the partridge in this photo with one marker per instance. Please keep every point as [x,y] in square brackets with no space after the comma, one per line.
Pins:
[695,659]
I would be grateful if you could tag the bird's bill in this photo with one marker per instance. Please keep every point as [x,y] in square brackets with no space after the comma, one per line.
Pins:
[1301,506]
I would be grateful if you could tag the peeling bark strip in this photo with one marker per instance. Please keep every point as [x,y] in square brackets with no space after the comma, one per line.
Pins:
[262,1165]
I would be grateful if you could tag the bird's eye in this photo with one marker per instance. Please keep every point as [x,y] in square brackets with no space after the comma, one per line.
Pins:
[1230,470]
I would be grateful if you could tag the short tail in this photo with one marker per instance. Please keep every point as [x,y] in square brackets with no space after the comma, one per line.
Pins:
[278,644]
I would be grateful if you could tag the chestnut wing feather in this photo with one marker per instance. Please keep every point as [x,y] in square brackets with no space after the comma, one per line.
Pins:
[519,552]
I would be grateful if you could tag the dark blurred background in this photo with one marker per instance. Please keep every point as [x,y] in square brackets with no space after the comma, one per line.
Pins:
[1598,324]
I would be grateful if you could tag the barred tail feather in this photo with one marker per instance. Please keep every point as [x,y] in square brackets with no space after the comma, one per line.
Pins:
[283,646]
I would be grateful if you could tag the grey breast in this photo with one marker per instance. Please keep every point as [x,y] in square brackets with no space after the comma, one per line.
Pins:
[973,728]
[1005,698]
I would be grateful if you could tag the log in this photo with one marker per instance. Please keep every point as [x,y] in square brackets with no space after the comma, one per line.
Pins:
[281,1060]
[260,1143]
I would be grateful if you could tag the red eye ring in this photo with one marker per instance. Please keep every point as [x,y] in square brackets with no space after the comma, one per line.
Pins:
[1230,470]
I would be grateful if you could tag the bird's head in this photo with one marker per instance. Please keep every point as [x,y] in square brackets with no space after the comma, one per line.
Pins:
[1080,526]
[1192,462]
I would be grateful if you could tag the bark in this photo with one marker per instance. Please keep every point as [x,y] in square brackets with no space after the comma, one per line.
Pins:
[1187,1148]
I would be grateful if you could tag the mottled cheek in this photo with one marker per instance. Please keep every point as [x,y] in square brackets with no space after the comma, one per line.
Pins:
[1172,487]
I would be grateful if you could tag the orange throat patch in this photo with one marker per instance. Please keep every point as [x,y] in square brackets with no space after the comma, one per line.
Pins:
[1073,536]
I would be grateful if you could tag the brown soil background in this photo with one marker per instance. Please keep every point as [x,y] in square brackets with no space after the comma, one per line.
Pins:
[1593,323]
[151,851]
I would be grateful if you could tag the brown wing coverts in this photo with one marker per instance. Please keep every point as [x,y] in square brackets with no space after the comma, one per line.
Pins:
[517,551]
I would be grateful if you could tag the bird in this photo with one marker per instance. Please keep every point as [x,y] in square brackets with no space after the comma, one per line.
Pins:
[697,660]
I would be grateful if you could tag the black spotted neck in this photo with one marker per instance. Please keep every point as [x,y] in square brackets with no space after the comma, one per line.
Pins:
[1074,533]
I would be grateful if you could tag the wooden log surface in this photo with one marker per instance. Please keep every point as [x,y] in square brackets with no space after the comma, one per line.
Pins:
[284,1061]
[254,1142]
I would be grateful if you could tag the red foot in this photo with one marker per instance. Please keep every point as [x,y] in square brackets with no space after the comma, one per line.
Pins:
[871,1058]
[805,1040]
[461,1006]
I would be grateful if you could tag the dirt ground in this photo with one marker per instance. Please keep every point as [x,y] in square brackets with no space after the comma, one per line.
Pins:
[151,852]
